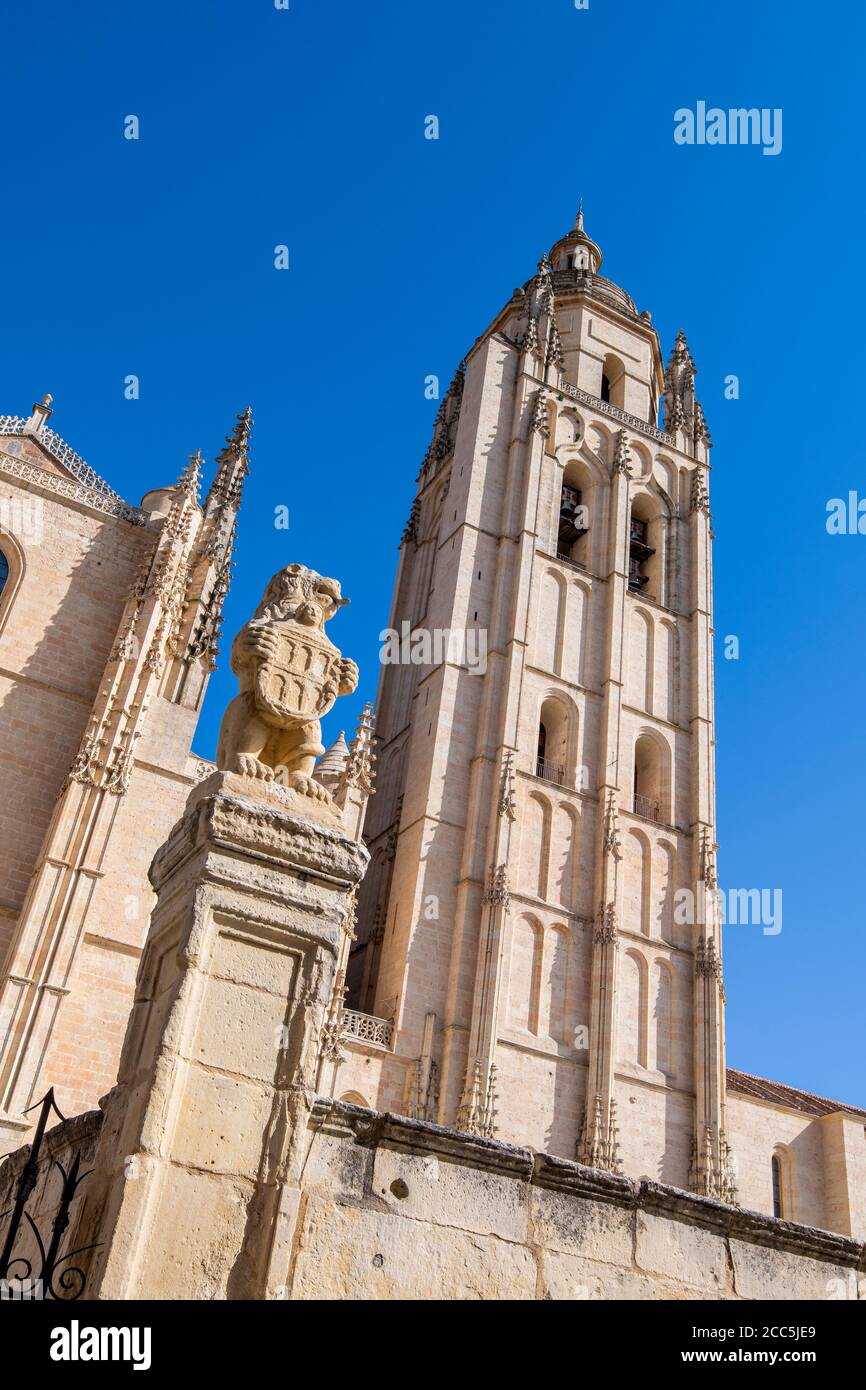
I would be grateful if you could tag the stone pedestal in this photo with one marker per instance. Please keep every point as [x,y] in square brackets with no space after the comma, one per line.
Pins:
[202,1143]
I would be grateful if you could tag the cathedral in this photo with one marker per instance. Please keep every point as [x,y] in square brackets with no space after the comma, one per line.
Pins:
[518,964]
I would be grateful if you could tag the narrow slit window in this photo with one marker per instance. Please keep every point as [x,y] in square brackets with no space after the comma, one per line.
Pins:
[777,1186]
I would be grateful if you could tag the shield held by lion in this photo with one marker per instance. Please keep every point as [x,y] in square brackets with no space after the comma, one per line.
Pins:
[301,680]
[290,675]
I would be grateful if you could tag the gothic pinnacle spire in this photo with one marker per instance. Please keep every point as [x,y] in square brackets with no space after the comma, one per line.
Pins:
[332,763]
[241,433]
[190,476]
[232,467]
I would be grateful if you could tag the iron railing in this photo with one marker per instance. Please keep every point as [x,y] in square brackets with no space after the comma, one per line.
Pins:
[17,1272]
[551,772]
[647,806]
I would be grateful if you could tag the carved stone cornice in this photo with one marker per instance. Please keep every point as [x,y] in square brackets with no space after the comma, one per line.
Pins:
[108,503]
[269,823]
[57,448]
[633,422]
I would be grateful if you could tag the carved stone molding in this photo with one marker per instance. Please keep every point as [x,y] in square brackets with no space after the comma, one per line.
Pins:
[106,502]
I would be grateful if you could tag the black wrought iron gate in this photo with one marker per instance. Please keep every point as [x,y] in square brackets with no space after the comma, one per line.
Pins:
[18,1274]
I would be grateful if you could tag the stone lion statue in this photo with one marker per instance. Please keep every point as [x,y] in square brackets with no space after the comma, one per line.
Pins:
[290,674]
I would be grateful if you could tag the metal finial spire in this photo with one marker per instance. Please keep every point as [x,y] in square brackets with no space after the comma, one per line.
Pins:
[578,222]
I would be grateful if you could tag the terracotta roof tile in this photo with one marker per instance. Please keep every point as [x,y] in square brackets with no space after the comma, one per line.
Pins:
[779,1094]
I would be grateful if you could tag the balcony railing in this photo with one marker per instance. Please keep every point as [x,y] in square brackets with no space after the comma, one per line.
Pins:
[633,421]
[551,772]
[647,806]
[368,1029]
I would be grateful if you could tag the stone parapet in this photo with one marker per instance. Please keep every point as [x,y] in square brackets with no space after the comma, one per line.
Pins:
[397,1208]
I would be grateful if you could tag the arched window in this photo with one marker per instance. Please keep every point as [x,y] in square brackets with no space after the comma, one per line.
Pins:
[574,506]
[552,752]
[782,1182]
[776,1167]
[11,571]
[645,548]
[355,1098]
[647,779]
[613,381]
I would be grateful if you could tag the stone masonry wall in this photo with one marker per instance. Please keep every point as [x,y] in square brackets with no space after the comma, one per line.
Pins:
[57,629]
[395,1209]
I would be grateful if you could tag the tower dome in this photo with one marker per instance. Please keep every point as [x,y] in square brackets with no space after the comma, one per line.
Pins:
[576,250]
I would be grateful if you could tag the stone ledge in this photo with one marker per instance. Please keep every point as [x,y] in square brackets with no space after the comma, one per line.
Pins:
[752,1226]
[372,1128]
[265,829]
[564,1175]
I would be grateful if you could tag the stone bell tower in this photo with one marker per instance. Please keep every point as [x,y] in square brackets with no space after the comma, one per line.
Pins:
[539,813]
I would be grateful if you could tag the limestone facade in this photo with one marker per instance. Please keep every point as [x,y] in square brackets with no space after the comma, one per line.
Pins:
[519,971]
[109,620]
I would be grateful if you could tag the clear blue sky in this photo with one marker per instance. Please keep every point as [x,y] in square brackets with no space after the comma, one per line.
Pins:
[261,126]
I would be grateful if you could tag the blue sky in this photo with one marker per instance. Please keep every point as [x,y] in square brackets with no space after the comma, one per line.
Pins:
[305,127]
